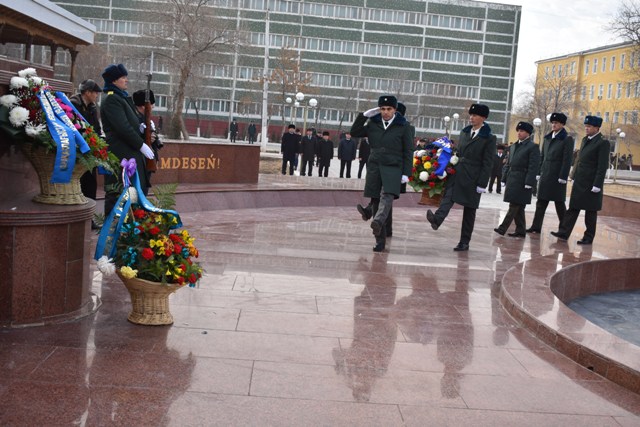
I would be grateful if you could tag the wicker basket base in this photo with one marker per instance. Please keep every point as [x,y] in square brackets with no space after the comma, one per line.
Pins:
[149,301]
[426,200]
[54,194]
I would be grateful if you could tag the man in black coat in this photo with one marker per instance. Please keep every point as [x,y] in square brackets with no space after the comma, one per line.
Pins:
[252,132]
[233,130]
[289,148]
[555,165]
[122,129]
[308,148]
[588,180]
[476,149]
[86,104]
[325,154]
[524,159]
[363,155]
[346,154]
[496,172]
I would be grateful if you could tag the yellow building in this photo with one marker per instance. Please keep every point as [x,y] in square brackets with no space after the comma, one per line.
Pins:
[605,82]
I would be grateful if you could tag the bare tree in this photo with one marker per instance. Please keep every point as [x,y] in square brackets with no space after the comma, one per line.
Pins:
[188,34]
[90,63]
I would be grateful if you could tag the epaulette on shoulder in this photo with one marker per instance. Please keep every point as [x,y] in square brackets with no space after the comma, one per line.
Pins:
[110,92]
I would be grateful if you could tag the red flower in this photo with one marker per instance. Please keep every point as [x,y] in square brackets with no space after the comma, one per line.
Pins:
[177,248]
[175,238]
[139,213]
[167,252]
[432,184]
[147,254]
[411,178]
[432,175]
[428,159]
[193,278]
[418,161]
[413,170]
[154,230]
[180,280]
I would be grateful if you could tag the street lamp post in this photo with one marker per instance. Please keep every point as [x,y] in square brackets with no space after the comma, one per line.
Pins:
[289,101]
[456,116]
[621,135]
[537,122]
[312,103]
[446,120]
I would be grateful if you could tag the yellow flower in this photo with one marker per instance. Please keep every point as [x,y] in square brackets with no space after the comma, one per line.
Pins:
[415,161]
[128,272]
[427,165]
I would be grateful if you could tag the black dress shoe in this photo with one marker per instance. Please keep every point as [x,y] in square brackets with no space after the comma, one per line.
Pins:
[379,247]
[584,241]
[516,234]
[376,226]
[559,236]
[365,212]
[461,247]
[500,232]
[432,219]
[533,230]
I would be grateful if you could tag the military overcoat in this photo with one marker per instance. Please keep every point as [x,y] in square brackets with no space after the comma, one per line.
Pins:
[121,126]
[391,153]
[524,160]
[591,168]
[555,163]
[474,166]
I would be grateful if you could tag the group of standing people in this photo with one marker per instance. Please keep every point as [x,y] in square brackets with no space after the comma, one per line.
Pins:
[319,151]
[234,130]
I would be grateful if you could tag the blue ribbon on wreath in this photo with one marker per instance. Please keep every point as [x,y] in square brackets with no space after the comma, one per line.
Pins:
[445,155]
[114,222]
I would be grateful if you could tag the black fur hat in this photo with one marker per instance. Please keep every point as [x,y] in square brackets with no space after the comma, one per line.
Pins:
[558,117]
[138,97]
[525,126]
[114,72]
[479,110]
[593,121]
[388,101]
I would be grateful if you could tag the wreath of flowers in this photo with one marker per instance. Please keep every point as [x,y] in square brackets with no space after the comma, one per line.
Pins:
[427,163]
[25,115]
[149,249]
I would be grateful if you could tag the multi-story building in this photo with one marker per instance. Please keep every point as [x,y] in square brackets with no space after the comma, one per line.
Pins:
[605,82]
[437,56]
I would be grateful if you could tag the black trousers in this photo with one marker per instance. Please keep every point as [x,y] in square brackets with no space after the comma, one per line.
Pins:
[497,179]
[361,166]
[468,215]
[284,166]
[322,166]
[569,221]
[541,208]
[252,139]
[233,136]
[307,164]
[89,184]
[345,164]
[515,212]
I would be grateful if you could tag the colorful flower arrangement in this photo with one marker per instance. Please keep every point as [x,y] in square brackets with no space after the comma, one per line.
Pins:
[432,165]
[23,117]
[149,249]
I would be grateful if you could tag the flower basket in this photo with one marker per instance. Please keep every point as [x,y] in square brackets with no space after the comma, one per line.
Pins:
[54,194]
[149,301]
[429,200]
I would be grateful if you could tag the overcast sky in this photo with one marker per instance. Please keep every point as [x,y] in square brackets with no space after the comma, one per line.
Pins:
[555,27]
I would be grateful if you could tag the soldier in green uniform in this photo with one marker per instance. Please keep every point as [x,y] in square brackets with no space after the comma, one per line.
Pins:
[586,193]
[390,161]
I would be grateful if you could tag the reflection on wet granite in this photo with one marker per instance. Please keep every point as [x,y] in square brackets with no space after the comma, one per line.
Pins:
[298,322]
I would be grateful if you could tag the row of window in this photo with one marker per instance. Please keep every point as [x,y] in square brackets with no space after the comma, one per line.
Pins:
[628,117]
[593,65]
[630,89]
[362,48]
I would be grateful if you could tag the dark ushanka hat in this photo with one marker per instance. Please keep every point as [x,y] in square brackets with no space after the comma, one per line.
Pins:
[326,132]
[593,121]
[558,117]
[479,110]
[138,97]
[114,72]
[388,101]
[292,126]
[401,108]
[89,86]
[527,127]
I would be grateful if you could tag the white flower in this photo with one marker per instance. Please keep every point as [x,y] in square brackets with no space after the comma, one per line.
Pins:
[18,116]
[106,266]
[133,194]
[18,82]
[34,130]
[36,80]
[443,176]
[424,176]
[27,72]
[8,100]
[454,160]
[422,153]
